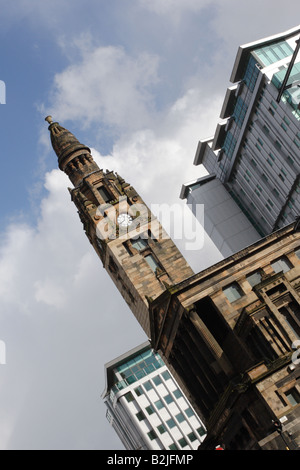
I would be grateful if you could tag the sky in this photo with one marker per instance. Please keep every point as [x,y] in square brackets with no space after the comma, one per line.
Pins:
[140,82]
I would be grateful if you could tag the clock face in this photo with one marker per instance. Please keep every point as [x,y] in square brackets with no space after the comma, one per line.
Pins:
[124,220]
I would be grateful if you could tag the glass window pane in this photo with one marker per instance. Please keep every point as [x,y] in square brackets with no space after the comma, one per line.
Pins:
[139,244]
[189,412]
[180,417]
[251,73]
[254,278]
[173,447]
[129,397]
[240,111]
[152,262]
[140,416]
[183,442]
[272,53]
[146,354]
[157,380]
[161,428]
[168,399]
[229,144]
[192,437]
[282,264]
[140,374]
[148,385]
[293,396]
[201,431]
[233,292]
[159,404]
[171,423]
[149,369]
[149,360]
[139,391]
[150,410]
[152,435]
[177,393]
[166,375]
[158,364]
[276,266]
[105,195]
[131,379]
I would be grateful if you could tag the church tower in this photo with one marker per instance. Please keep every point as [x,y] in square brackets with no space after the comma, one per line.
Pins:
[229,332]
[134,248]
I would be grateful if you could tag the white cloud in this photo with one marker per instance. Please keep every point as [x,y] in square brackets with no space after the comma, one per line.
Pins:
[49,292]
[159,159]
[59,318]
[174,8]
[106,85]
[253,21]
[53,286]
[155,151]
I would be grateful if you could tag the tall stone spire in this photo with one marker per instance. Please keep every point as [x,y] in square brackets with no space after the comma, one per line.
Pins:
[135,250]
[74,158]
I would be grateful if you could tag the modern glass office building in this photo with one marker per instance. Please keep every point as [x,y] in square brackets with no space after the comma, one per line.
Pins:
[253,157]
[145,405]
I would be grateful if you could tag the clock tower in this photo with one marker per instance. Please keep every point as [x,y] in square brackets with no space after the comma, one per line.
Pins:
[229,332]
[134,248]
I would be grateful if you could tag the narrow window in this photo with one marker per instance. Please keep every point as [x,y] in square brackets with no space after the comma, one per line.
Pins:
[150,410]
[105,195]
[171,423]
[159,404]
[157,380]
[152,262]
[161,429]
[139,391]
[297,252]
[166,375]
[281,264]
[140,416]
[189,412]
[152,435]
[180,417]
[127,248]
[168,398]
[177,393]
[280,398]
[182,442]
[192,437]
[173,447]
[293,396]
[233,292]
[201,431]
[139,244]
[148,385]
[129,397]
[254,278]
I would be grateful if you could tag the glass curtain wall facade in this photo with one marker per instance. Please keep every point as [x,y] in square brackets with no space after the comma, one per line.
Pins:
[146,407]
[255,149]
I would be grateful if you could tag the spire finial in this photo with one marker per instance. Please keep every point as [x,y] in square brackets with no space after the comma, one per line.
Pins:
[49,119]
[64,143]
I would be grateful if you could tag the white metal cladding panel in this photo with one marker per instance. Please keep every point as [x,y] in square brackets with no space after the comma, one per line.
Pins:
[224,222]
